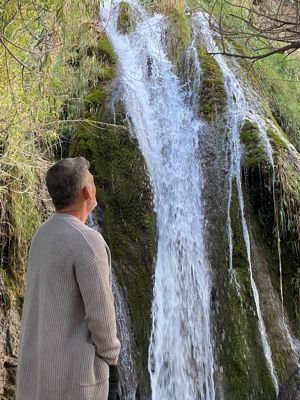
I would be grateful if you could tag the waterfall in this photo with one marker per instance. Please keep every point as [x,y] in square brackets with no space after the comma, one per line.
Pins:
[180,354]
[254,114]
[126,366]
[238,112]
[127,369]
[163,114]
[192,72]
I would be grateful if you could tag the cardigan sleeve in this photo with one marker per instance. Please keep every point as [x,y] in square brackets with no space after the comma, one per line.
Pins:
[93,277]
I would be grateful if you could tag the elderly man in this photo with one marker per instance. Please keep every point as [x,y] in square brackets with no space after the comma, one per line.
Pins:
[68,345]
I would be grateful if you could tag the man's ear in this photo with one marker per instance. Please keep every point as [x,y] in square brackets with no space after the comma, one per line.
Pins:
[86,193]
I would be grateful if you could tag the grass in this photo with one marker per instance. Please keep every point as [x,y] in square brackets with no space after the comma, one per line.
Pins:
[288,177]
[47,68]
[280,82]
[169,6]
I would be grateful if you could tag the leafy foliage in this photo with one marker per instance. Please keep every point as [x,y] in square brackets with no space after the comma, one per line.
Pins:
[41,84]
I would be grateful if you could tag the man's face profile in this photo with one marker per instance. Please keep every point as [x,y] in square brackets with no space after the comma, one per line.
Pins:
[93,190]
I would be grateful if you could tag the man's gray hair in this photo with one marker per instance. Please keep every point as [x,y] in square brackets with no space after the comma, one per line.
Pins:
[65,179]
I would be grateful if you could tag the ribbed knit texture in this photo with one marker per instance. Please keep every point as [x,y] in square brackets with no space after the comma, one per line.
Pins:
[68,327]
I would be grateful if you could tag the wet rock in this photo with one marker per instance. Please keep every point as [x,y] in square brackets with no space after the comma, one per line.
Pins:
[291,389]
[9,343]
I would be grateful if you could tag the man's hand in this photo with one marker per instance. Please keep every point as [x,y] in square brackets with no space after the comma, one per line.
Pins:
[113,382]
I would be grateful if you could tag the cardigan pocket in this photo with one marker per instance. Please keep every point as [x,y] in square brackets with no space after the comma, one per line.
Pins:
[93,369]
[99,391]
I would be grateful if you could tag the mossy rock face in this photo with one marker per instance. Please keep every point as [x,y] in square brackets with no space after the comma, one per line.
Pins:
[177,39]
[254,153]
[94,85]
[287,168]
[288,205]
[277,142]
[266,275]
[291,388]
[106,73]
[283,116]
[212,94]
[105,50]
[95,99]
[10,297]
[124,194]
[126,19]
[259,187]
[244,370]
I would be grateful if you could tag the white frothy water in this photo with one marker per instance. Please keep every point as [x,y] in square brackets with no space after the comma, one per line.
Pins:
[238,112]
[128,376]
[167,129]
[192,69]
[180,354]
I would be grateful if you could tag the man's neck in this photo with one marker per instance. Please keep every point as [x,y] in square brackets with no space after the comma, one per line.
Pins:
[80,214]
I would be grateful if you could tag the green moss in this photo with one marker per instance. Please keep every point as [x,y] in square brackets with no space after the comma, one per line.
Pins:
[279,80]
[12,295]
[287,194]
[10,282]
[278,127]
[246,373]
[105,50]
[288,189]
[178,38]
[279,363]
[291,297]
[106,73]
[126,19]
[212,94]
[95,99]
[102,50]
[277,143]
[94,69]
[254,152]
[124,194]
[266,263]
[288,180]
[239,256]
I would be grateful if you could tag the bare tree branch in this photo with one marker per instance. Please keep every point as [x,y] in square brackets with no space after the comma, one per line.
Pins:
[261,25]
[289,48]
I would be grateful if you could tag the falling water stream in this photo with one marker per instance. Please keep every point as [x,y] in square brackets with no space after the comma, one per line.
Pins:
[165,121]
[180,354]
[128,376]
[238,112]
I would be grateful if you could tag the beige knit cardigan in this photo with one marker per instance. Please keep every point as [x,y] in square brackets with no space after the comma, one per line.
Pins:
[68,328]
